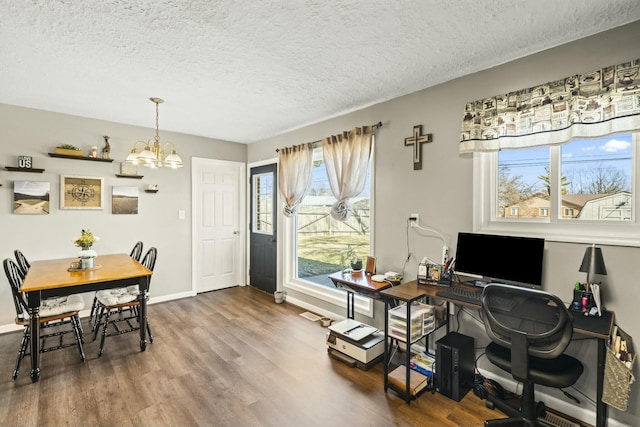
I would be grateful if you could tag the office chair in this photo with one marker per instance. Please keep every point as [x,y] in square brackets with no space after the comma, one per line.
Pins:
[529,342]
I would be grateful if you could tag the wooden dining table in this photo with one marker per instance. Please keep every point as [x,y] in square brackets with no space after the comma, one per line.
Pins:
[56,278]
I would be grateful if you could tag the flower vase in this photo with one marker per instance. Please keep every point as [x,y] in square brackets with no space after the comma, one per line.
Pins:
[87,258]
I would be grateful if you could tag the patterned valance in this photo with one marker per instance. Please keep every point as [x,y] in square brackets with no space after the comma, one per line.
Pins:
[586,105]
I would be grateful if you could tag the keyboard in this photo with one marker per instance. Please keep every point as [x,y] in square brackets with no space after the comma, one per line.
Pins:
[473,296]
[470,296]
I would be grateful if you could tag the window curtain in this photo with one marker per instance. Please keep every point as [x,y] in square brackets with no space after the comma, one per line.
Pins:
[587,105]
[346,157]
[294,175]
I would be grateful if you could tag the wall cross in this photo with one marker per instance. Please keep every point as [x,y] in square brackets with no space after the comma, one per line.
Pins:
[417,140]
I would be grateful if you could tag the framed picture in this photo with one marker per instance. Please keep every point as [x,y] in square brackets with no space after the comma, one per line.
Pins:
[81,192]
[31,197]
[124,200]
[371,265]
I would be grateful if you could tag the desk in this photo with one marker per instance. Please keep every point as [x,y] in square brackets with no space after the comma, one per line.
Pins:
[594,327]
[50,278]
[357,282]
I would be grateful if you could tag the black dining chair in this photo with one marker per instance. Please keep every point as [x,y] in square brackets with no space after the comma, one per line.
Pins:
[120,310]
[136,253]
[22,262]
[528,341]
[58,318]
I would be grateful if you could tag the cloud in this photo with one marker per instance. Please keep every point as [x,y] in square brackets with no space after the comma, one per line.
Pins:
[589,148]
[567,155]
[615,145]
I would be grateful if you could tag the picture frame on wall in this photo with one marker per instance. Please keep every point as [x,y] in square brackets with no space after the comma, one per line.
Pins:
[81,192]
[124,200]
[31,197]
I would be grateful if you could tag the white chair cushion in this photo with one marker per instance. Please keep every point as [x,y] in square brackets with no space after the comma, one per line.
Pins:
[108,299]
[55,306]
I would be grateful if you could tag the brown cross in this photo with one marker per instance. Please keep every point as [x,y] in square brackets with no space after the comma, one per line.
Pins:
[417,140]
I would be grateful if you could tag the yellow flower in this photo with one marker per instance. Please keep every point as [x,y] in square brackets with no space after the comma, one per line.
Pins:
[86,239]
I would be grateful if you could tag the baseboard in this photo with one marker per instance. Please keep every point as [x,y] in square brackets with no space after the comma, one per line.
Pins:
[12,327]
[314,309]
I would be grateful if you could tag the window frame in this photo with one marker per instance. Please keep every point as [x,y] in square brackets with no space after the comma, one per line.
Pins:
[553,227]
[362,305]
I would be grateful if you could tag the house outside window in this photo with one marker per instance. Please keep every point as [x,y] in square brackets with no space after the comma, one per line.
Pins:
[544,211]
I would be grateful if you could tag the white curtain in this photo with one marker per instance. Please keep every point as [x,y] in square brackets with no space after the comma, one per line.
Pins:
[346,158]
[589,105]
[294,175]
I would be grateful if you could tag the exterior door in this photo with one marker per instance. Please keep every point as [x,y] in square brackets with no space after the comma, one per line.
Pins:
[218,213]
[262,228]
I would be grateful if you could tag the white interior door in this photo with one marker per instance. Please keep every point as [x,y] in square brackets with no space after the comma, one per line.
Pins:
[218,224]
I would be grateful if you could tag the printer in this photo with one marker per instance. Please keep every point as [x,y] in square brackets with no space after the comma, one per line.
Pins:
[355,343]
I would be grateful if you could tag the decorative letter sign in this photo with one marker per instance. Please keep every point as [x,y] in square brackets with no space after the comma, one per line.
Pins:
[25,162]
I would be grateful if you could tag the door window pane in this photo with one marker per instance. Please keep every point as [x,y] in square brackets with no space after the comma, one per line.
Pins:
[262,203]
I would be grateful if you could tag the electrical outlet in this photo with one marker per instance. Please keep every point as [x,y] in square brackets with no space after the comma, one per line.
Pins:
[414,219]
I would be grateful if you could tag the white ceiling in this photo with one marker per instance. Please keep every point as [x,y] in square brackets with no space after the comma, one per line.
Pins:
[247,70]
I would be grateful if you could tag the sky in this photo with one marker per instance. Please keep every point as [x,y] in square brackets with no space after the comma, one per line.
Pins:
[584,154]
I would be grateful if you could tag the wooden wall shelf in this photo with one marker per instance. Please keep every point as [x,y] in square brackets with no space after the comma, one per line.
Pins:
[150,191]
[66,156]
[15,169]
[121,175]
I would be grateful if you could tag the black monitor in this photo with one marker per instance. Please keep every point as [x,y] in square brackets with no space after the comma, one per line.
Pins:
[504,259]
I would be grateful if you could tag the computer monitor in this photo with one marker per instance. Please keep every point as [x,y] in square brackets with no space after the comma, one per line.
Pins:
[504,259]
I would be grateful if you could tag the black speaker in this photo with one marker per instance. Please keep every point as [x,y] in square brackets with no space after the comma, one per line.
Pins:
[455,369]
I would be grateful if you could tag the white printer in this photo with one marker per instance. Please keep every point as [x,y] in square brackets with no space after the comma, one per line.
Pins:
[355,343]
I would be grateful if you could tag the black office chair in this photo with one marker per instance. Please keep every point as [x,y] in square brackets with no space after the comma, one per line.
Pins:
[529,342]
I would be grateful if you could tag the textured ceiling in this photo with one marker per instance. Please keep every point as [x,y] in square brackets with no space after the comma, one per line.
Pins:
[248,70]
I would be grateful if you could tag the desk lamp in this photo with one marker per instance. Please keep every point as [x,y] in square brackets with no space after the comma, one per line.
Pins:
[593,262]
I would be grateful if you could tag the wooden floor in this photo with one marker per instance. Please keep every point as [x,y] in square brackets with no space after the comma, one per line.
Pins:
[225,358]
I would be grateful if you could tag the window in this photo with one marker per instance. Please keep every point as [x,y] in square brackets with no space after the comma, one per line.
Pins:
[585,182]
[316,242]
[262,194]
[321,240]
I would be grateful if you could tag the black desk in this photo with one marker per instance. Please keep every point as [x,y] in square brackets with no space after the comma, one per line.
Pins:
[593,327]
[357,282]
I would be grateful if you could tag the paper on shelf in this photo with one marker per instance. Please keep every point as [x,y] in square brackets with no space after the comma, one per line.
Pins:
[595,291]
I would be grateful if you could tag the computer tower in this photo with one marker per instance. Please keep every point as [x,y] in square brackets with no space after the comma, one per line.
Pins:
[455,370]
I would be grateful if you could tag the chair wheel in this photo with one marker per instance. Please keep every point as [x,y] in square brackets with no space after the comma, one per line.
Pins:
[489,404]
[541,409]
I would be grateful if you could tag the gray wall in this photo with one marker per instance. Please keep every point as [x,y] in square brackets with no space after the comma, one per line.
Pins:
[442,191]
[25,131]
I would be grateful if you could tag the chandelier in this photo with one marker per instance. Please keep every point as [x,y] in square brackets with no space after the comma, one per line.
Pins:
[153,154]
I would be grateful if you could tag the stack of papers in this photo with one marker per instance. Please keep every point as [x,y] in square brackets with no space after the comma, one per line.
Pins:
[595,291]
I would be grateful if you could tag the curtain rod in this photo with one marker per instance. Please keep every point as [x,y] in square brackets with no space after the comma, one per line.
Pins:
[377,125]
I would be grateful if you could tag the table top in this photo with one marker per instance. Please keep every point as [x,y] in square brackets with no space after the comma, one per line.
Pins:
[359,281]
[54,274]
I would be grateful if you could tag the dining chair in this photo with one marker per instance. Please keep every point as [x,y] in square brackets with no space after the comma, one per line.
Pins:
[136,253]
[58,317]
[120,308]
[22,262]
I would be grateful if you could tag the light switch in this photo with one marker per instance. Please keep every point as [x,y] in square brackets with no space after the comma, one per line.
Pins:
[181,214]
